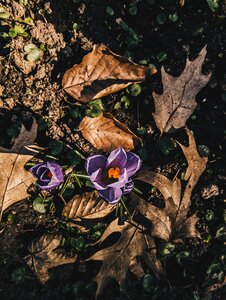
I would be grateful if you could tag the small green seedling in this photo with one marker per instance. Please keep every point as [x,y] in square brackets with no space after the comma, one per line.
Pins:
[32,51]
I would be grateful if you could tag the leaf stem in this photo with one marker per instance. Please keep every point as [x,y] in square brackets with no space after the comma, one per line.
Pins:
[137,191]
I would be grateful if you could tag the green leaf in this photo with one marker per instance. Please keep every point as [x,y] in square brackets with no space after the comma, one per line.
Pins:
[165,145]
[117,105]
[39,205]
[73,157]
[213,4]
[141,130]
[133,10]
[56,147]
[173,17]
[204,150]
[135,89]
[161,18]
[166,248]
[12,33]
[28,21]
[4,14]
[110,11]
[19,29]
[161,56]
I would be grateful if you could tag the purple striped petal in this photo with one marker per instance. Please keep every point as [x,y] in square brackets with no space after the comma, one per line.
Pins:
[128,187]
[133,163]
[95,162]
[111,195]
[117,158]
[121,181]
[97,180]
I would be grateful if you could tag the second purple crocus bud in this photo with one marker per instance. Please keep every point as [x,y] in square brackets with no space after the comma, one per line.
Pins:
[49,175]
[111,176]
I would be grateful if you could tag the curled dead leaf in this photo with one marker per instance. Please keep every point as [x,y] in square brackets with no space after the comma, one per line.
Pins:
[14,179]
[87,206]
[177,103]
[43,255]
[121,256]
[101,73]
[106,133]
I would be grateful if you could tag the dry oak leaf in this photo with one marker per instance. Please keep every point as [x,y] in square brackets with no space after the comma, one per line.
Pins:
[171,222]
[177,103]
[106,133]
[14,179]
[43,256]
[101,73]
[118,258]
[87,206]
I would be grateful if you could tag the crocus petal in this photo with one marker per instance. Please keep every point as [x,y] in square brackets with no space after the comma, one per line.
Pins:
[95,162]
[111,195]
[122,180]
[128,187]
[133,164]
[56,171]
[38,169]
[97,180]
[117,158]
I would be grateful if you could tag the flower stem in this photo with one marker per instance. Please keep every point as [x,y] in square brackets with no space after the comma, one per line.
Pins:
[137,191]
[80,176]
[126,209]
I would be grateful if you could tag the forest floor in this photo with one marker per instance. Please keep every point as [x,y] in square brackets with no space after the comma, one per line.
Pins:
[160,33]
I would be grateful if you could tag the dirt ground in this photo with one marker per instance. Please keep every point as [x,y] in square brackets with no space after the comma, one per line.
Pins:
[68,29]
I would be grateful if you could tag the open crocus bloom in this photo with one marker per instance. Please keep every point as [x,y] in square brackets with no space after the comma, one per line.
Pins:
[111,176]
[49,175]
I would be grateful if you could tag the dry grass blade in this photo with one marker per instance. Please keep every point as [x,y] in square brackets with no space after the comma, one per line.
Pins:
[14,179]
[43,256]
[101,73]
[106,133]
[88,206]
[177,103]
[116,260]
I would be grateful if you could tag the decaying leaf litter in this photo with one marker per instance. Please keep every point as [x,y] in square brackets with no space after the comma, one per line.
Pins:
[176,205]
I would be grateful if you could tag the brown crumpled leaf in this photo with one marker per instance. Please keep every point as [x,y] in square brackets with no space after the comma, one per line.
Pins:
[171,222]
[87,206]
[101,73]
[14,179]
[177,103]
[44,256]
[118,258]
[106,133]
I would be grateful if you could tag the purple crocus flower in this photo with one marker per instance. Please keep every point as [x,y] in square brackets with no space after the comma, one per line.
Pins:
[49,175]
[111,176]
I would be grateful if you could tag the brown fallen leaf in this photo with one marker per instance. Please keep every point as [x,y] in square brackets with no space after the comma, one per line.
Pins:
[177,103]
[14,179]
[171,222]
[106,133]
[101,73]
[87,206]
[118,258]
[44,256]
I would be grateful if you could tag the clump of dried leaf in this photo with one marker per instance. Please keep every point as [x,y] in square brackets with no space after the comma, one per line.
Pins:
[106,133]
[43,255]
[101,73]
[120,257]
[177,103]
[14,179]
[170,223]
[86,207]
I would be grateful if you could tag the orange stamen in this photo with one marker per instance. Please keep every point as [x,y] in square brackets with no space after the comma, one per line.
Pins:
[49,174]
[114,173]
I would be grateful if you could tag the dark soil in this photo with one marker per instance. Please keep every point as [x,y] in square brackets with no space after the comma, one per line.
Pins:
[34,91]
